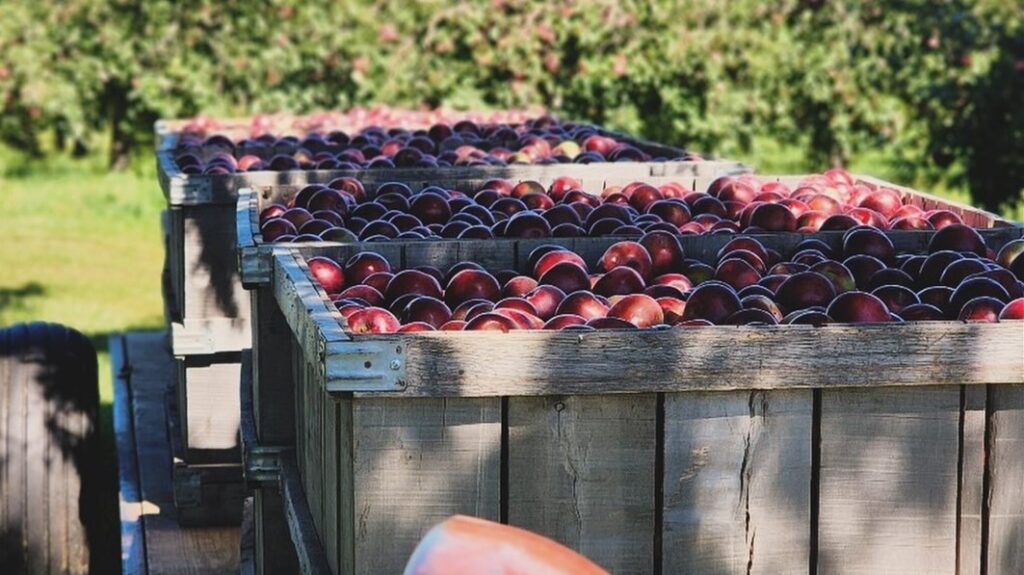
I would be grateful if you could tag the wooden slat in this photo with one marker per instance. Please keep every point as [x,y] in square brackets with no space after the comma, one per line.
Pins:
[737,487]
[210,410]
[888,480]
[169,549]
[416,463]
[308,550]
[274,387]
[1005,553]
[713,358]
[581,471]
[972,471]
[133,545]
[274,553]
[210,266]
[329,478]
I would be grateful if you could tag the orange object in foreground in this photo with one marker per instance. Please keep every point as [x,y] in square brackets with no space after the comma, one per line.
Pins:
[470,546]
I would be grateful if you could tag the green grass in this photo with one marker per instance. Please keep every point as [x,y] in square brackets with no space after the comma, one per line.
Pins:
[82,248]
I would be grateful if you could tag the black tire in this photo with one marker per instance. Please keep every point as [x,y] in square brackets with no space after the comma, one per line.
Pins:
[56,512]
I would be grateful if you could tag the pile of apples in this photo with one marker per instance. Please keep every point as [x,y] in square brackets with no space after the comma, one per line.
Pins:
[352,119]
[650,284]
[343,210]
[540,141]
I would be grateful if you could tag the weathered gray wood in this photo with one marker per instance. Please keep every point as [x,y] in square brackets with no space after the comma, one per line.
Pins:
[204,266]
[209,409]
[329,480]
[737,482]
[888,480]
[1006,487]
[972,471]
[582,472]
[415,463]
[713,358]
[274,553]
[304,538]
[274,387]
[169,549]
[132,506]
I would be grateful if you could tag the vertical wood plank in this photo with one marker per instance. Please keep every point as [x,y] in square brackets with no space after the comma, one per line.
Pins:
[1006,480]
[416,463]
[330,494]
[737,482]
[581,471]
[274,385]
[888,480]
[211,409]
[972,471]
[313,472]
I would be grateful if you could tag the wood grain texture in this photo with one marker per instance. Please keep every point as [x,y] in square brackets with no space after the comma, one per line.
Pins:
[972,471]
[888,480]
[416,463]
[274,554]
[713,358]
[274,387]
[210,266]
[737,488]
[1006,487]
[169,548]
[304,538]
[581,471]
[209,409]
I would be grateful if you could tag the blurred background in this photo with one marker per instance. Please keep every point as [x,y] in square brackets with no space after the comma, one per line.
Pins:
[925,93]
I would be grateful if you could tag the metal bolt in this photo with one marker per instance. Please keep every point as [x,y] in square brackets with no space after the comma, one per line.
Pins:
[395,364]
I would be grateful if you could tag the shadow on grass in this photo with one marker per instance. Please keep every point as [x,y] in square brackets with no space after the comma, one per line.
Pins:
[15,297]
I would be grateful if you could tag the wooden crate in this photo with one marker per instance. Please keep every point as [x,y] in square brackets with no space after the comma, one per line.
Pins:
[207,309]
[861,448]
[254,256]
[195,189]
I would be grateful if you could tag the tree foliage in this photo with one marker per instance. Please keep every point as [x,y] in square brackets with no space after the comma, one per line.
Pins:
[940,82]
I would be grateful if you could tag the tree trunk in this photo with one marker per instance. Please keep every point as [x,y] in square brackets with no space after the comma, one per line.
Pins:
[121,138]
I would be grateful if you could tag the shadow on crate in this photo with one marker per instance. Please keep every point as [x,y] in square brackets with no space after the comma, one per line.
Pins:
[52,445]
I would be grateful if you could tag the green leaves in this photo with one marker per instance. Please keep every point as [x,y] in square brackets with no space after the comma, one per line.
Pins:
[932,79]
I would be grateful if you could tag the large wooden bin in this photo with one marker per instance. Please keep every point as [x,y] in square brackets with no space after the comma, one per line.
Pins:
[846,448]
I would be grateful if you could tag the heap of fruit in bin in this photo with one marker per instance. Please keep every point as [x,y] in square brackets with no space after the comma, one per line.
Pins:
[540,141]
[650,284]
[343,210]
[192,132]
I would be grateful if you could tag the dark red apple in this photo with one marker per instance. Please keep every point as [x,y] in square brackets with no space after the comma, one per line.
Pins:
[805,289]
[453,325]
[518,286]
[583,304]
[563,321]
[620,280]
[921,312]
[957,238]
[896,297]
[868,241]
[276,228]
[639,309]
[372,320]
[327,273]
[567,276]
[471,284]
[491,322]
[610,323]
[545,299]
[412,282]
[429,310]
[549,260]
[1013,310]
[364,292]
[737,272]
[711,301]
[982,308]
[364,264]
[858,307]
[630,254]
